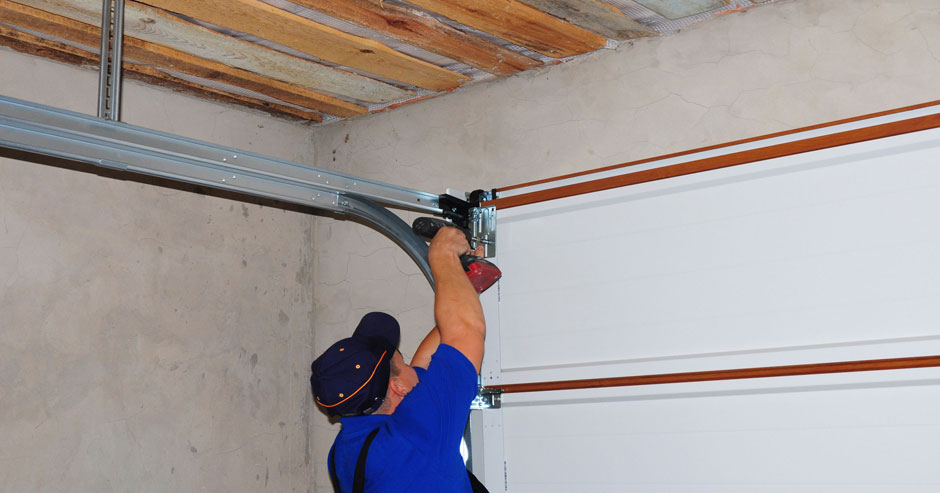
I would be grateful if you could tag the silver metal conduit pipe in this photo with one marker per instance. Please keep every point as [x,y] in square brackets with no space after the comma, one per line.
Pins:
[48,131]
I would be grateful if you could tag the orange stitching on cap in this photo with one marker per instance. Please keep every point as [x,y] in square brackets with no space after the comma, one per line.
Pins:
[360,387]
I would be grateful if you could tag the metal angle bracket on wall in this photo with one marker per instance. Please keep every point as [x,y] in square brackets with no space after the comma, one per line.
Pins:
[487,398]
[468,214]
[483,229]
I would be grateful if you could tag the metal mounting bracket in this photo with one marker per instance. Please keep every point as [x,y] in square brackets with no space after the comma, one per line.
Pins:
[483,229]
[455,209]
[480,221]
[487,398]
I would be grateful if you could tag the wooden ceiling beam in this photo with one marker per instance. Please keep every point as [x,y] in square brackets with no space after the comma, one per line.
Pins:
[595,16]
[518,23]
[161,28]
[31,44]
[326,43]
[149,53]
[417,28]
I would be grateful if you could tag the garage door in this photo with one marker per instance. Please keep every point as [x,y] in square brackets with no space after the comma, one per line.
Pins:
[807,258]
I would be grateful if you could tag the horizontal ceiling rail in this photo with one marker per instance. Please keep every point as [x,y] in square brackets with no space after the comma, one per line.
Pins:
[834,139]
[42,130]
[718,375]
[36,128]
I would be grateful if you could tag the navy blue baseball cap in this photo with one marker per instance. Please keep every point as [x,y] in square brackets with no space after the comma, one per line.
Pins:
[351,377]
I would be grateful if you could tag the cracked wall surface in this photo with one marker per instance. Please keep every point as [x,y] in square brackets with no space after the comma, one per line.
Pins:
[776,67]
[151,338]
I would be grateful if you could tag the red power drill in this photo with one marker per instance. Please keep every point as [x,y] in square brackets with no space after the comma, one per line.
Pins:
[482,273]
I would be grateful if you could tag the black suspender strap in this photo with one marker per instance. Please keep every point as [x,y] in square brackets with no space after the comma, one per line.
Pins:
[475,484]
[359,480]
[333,477]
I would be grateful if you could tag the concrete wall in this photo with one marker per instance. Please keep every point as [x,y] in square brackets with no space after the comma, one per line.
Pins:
[779,66]
[151,339]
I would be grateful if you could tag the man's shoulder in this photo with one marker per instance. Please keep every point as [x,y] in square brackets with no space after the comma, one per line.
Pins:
[448,358]
[440,400]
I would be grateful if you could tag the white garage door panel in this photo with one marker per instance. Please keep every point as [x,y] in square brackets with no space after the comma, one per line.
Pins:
[828,256]
[796,439]
[823,248]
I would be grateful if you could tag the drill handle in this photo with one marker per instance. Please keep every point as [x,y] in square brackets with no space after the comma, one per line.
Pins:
[427,227]
[482,273]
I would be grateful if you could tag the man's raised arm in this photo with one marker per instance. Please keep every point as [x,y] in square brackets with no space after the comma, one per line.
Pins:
[456,303]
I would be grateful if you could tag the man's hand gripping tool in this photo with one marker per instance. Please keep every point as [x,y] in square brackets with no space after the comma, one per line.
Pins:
[482,273]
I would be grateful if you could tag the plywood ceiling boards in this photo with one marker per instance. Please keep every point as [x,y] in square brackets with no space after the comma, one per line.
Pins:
[344,58]
[324,42]
[417,28]
[595,16]
[518,23]
[163,29]
[160,56]
[36,45]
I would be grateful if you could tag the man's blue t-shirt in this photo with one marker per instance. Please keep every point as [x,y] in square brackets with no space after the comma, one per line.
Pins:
[417,448]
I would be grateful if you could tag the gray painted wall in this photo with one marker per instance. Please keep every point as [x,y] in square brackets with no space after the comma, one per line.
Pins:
[151,339]
[776,67]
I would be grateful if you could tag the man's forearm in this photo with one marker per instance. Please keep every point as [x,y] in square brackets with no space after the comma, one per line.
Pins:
[457,307]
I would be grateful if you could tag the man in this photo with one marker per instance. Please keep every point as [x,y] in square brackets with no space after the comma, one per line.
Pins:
[401,424]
